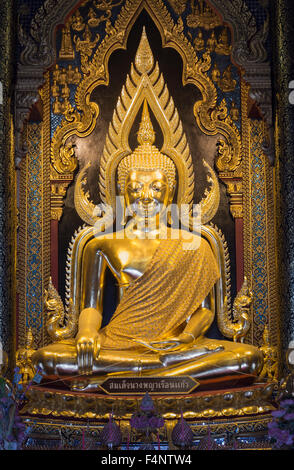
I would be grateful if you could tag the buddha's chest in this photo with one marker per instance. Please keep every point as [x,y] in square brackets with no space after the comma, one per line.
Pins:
[130,258]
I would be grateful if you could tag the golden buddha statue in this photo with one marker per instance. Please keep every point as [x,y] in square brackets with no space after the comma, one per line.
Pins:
[166,276]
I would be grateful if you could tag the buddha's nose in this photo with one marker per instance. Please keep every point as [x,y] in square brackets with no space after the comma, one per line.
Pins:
[147,197]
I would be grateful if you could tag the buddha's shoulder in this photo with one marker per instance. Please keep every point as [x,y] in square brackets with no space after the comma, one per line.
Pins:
[106,241]
[184,234]
[190,240]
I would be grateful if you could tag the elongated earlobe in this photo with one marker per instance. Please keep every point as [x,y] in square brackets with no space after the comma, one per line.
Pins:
[125,216]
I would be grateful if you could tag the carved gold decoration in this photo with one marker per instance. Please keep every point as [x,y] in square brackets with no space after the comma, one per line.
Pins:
[270,354]
[58,191]
[223,304]
[66,76]
[229,148]
[178,5]
[210,202]
[223,47]
[106,4]
[86,209]
[202,15]
[226,82]
[85,46]
[23,359]
[71,429]
[234,189]
[34,231]
[146,83]
[240,325]
[67,157]
[77,22]
[93,20]
[226,160]
[211,42]
[62,78]
[46,140]
[210,119]
[56,315]
[260,243]
[199,41]
[59,75]
[66,51]
[241,402]
[234,112]
[215,73]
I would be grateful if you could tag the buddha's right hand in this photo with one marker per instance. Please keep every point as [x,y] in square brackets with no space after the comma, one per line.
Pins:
[88,347]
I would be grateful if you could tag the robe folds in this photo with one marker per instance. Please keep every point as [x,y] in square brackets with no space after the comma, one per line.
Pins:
[171,289]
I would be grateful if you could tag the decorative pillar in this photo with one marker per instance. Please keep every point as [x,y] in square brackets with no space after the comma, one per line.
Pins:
[58,192]
[235,191]
[8,220]
[283,55]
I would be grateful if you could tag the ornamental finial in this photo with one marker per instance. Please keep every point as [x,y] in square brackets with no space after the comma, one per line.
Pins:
[144,60]
[146,134]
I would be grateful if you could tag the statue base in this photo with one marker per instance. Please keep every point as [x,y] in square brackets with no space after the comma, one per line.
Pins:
[57,419]
[222,403]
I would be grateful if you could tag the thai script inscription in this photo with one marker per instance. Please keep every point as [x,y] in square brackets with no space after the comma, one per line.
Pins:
[127,385]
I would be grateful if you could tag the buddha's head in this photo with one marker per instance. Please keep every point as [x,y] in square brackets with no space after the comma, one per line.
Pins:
[146,178]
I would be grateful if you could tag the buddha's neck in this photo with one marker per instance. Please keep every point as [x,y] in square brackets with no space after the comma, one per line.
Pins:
[147,228]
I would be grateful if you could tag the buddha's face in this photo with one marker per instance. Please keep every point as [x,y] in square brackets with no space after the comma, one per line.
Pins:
[147,192]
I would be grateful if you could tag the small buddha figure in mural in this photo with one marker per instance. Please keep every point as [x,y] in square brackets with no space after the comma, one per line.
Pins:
[234,112]
[211,42]
[227,83]
[223,46]
[215,73]
[163,313]
[199,41]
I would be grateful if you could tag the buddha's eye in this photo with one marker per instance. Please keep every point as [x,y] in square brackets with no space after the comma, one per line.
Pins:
[135,187]
[157,186]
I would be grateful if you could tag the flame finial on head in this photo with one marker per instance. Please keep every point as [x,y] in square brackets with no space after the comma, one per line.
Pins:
[146,156]
[144,60]
[146,134]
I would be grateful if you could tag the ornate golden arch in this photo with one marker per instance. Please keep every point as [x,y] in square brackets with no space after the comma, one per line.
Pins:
[81,121]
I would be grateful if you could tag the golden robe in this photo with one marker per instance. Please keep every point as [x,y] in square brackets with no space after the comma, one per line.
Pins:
[174,285]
